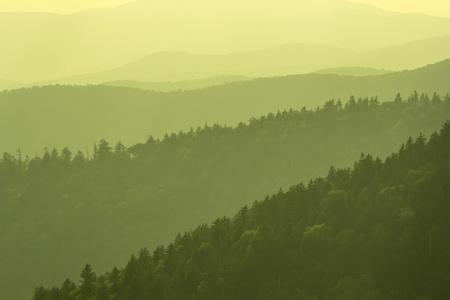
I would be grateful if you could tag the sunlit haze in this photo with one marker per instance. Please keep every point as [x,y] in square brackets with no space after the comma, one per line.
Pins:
[56,6]
[227,149]
[439,8]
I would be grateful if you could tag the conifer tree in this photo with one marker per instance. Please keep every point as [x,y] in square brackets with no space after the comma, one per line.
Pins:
[87,288]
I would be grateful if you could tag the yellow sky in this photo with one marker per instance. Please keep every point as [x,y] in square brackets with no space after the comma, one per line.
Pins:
[57,6]
[440,8]
[433,7]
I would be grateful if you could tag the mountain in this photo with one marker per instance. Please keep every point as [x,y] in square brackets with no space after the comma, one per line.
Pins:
[178,85]
[377,229]
[278,61]
[8,85]
[176,66]
[78,116]
[353,71]
[101,39]
[407,56]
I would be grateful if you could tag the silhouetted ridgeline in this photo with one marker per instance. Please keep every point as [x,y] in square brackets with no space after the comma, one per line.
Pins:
[277,61]
[62,210]
[78,116]
[379,230]
[184,85]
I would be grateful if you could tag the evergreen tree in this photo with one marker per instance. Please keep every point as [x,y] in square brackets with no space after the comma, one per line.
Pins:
[68,290]
[87,288]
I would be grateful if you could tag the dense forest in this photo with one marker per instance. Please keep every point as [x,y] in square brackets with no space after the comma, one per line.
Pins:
[379,230]
[67,208]
[228,150]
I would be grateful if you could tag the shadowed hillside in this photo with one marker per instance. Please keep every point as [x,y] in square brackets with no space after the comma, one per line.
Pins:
[65,208]
[77,116]
[379,230]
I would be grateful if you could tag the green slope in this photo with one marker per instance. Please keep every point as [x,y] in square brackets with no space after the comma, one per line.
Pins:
[60,116]
[374,231]
[59,211]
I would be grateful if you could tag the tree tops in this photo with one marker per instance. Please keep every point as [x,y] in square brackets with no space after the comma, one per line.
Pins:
[378,230]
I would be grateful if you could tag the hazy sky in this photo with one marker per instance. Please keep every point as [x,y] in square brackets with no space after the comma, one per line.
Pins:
[432,7]
[439,8]
[57,6]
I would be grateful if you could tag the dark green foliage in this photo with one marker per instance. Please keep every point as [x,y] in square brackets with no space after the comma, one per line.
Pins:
[88,283]
[68,290]
[379,230]
[66,207]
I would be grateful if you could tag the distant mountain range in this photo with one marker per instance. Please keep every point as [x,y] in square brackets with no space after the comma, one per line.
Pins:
[278,61]
[101,39]
[185,85]
[353,71]
[167,86]
[176,66]
[79,116]
[8,85]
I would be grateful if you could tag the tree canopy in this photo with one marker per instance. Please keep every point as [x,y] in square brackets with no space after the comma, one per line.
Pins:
[68,207]
[378,230]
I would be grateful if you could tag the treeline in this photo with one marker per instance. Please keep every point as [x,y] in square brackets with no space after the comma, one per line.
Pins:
[379,230]
[78,116]
[66,208]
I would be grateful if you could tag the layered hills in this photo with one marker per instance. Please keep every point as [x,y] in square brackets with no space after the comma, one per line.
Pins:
[100,39]
[353,71]
[67,208]
[379,230]
[78,116]
[9,85]
[185,85]
[281,60]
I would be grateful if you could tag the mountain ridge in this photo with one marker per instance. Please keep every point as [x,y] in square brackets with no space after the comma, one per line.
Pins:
[91,112]
[276,61]
[104,38]
[113,200]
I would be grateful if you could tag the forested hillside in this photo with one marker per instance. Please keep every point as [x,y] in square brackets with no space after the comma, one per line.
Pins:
[77,116]
[379,230]
[64,209]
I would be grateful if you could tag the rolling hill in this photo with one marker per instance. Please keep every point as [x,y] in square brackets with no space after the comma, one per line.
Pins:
[176,66]
[353,71]
[64,209]
[78,116]
[9,85]
[166,86]
[278,61]
[378,230]
[100,39]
